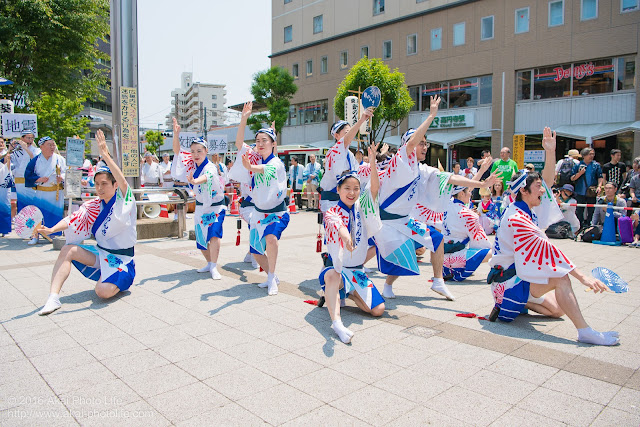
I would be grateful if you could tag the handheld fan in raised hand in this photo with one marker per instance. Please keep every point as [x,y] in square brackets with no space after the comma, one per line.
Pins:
[27,220]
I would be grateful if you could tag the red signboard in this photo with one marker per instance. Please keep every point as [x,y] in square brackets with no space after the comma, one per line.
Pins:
[579,71]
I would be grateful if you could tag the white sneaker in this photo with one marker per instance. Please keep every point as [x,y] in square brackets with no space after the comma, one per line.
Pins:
[249,258]
[215,274]
[442,289]
[204,269]
[52,304]
[33,241]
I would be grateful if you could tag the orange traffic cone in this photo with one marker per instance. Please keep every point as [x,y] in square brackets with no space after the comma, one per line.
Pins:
[235,206]
[164,213]
[292,203]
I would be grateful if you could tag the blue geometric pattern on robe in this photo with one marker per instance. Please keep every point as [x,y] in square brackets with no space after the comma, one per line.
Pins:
[5,211]
[474,259]
[401,262]
[514,300]
[364,286]
[213,224]
[276,226]
[51,213]
[122,278]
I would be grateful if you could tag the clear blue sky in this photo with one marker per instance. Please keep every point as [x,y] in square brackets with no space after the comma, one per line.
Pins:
[223,42]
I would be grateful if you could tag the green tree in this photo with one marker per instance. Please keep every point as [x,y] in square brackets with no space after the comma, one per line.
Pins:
[57,117]
[395,103]
[154,140]
[51,46]
[274,88]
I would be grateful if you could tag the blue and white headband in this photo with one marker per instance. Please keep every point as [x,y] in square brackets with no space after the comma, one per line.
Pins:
[102,169]
[407,136]
[268,131]
[27,132]
[349,174]
[43,140]
[337,126]
[515,186]
[200,140]
[457,189]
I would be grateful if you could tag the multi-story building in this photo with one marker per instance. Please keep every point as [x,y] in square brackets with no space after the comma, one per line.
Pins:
[197,104]
[502,67]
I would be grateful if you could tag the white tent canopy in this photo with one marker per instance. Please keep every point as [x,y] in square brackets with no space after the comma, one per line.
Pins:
[590,132]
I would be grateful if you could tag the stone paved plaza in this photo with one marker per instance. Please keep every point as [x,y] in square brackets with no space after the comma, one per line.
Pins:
[182,349]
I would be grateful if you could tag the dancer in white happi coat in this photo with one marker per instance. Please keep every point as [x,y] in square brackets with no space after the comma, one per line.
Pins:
[192,166]
[20,158]
[268,189]
[401,185]
[466,244]
[339,158]
[111,219]
[45,174]
[349,225]
[6,182]
[528,271]
[150,172]
[165,169]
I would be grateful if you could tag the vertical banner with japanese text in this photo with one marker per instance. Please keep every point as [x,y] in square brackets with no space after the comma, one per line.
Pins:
[518,150]
[129,135]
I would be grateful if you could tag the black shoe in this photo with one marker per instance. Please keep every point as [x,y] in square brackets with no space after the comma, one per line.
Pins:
[494,314]
[448,277]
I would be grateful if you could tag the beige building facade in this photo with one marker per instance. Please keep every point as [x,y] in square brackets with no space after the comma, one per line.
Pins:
[502,67]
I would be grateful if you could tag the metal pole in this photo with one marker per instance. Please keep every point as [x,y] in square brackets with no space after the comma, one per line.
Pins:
[205,123]
[502,115]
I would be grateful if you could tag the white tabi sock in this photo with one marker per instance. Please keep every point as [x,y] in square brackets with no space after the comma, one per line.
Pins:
[387,292]
[249,258]
[272,284]
[343,333]
[53,303]
[591,336]
[254,263]
[439,287]
[205,269]
[343,303]
[215,274]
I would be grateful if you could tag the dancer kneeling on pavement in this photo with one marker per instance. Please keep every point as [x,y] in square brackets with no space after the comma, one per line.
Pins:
[528,271]
[348,226]
[205,180]
[268,178]
[466,244]
[111,219]
[403,184]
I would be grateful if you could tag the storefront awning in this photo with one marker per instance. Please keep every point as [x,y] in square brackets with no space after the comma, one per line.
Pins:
[447,139]
[596,131]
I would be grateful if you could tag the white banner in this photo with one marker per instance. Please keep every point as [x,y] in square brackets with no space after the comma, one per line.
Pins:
[217,143]
[14,124]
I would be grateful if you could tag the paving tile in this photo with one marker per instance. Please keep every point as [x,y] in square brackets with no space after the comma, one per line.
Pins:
[66,380]
[114,347]
[366,368]
[226,338]
[421,416]
[11,371]
[230,414]
[187,401]
[49,344]
[326,416]
[473,355]
[381,407]
[445,369]
[468,406]
[615,417]
[522,369]
[210,364]
[158,380]
[100,397]
[160,336]
[242,382]
[582,387]
[627,400]
[405,383]
[604,371]
[133,414]
[294,404]
[520,417]
[133,363]
[498,386]
[30,391]
[50,412]
[201,326]
[561,407]
[288,366]
[62,359]
[254,352]
[181,350]
[327,384]
[400,354]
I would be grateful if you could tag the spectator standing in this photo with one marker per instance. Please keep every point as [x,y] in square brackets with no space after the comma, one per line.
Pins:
[587,179]
[165,168]
[505,167]
[610,196]
[296,179]
[470,171]
[311,172]
[565,195]
[634,184]
[151,174]
[615,170]
[457,170]
[564,167]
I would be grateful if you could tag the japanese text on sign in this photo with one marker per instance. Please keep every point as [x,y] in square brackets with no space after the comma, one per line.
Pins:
[518,150]
[464,120]
[14,124]
[129,135]
[75,152]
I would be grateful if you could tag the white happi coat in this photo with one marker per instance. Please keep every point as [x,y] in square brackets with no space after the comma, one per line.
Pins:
[44,194]
[339,159]
[433,196]
[19,161]
[6,181]
[461,223]
[209,196]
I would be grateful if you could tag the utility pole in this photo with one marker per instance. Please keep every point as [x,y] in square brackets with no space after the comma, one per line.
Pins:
[205,123]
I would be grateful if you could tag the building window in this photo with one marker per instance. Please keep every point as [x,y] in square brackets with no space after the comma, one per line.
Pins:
[599,80]
[629,5]
[435,89]
[522,20]
[458,34]
[324,65]
[626,70]
[288,34]
[523,85]
[287,1]
[414,93]
[214,105]
[412,44]
[294,71]
[214,96]
[486,31]
[469,92]
[463,93]
[378,7]
[547,84]
[317,24]
[344,59]
[309,67]
[308,113]
[486,89]
[386,49]
[556,13]
[436,39]
[364,51]
[589,10]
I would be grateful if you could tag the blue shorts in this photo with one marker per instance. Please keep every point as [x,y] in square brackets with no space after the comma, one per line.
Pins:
[214,230]
[275,228]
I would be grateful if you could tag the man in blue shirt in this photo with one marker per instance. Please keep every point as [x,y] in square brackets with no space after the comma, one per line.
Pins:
[587,179]
[296,180]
